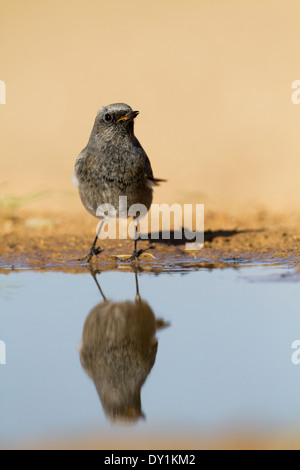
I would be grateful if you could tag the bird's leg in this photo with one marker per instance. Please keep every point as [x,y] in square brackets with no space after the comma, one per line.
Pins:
[94,275]
[135,253]
[137,296]
[93,250]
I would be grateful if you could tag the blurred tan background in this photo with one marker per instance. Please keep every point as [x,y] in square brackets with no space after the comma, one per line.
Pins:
[211,78]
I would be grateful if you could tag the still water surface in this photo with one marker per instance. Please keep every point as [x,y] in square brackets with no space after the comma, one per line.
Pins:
[213,349]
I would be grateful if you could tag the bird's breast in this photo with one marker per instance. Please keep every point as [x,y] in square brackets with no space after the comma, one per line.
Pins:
[103,180]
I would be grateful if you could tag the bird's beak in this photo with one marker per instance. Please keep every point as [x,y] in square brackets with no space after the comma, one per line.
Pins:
[130,115]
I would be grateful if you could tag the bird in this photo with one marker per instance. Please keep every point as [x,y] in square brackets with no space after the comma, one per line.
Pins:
[114,164]
[118,351]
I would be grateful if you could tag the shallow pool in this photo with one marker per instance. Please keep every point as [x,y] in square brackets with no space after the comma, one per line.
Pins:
[221,357]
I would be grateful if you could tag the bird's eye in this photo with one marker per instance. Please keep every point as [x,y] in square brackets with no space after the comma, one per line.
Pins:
[107,117]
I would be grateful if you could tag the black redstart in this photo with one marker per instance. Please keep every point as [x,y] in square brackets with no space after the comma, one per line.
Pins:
[114,164]
[118,351]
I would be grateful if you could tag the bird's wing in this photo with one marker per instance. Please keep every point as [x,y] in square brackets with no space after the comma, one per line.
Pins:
[148,170]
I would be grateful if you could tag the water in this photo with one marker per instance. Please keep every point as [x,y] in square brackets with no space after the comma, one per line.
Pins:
[223,361]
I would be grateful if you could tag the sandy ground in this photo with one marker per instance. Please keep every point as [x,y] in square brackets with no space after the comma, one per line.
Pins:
[176,442]
[56,241]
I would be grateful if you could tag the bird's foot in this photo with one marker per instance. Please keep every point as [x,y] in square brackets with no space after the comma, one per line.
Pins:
[134,257]
[93,252]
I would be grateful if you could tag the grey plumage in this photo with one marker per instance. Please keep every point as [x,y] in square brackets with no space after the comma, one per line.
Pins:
[118,351]
[113,163]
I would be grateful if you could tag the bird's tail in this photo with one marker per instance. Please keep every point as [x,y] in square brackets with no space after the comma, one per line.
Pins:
[156,181]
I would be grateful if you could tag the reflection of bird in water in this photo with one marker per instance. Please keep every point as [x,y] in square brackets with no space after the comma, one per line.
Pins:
[118,351]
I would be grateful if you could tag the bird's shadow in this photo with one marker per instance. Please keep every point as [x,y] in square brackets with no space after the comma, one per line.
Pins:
[180,237]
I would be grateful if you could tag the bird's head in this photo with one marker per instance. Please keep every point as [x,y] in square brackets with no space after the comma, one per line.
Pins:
[115,121]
